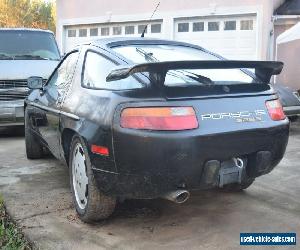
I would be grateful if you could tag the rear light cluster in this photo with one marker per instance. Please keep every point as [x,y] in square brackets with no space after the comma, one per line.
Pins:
[159,118]
[275,110]
[100,150]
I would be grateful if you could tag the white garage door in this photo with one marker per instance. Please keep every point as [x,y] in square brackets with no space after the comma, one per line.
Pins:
[233,37]
[75,35]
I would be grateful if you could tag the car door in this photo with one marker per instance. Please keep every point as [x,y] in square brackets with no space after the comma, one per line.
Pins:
[49,101]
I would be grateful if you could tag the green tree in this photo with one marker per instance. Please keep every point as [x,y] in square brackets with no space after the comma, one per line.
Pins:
[27,13]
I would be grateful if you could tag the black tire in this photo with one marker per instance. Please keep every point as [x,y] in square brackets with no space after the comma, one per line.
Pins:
[237,187]
[98,206]
[293,118]
[34,150]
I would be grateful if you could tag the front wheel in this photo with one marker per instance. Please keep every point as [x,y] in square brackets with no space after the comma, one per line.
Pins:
[90,203]
[34,150]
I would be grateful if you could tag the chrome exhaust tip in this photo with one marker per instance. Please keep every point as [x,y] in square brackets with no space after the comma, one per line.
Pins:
[178,196]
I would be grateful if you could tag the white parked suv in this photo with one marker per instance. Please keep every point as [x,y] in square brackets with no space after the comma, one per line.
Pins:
[23,53]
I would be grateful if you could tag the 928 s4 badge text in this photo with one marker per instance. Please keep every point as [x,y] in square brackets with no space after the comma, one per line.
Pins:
[242,116]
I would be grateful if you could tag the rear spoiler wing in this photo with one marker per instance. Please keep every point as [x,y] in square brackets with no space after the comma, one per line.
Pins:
[264,70]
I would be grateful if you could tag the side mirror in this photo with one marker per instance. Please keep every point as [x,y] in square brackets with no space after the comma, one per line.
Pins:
[35,82]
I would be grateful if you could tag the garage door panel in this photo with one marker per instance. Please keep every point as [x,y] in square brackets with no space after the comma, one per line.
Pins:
[233,44]
[77,34]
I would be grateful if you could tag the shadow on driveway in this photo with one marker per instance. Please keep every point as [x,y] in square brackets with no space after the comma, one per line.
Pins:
[15,131]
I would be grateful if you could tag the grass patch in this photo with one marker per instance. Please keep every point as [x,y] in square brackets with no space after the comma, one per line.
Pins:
[11,237]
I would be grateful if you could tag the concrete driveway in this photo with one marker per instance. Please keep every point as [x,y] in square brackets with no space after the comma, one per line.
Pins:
[38,198]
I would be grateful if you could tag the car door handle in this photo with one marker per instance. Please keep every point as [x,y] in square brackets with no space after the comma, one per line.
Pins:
[59,100]
[42,92]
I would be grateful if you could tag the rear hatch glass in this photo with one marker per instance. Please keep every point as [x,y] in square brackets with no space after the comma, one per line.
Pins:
[177,78]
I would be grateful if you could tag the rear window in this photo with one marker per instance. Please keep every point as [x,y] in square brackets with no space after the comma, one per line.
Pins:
[162,53]
[27,45]
[96,69]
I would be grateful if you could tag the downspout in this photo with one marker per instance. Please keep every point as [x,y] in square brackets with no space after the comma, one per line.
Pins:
[273,43]
[272,40]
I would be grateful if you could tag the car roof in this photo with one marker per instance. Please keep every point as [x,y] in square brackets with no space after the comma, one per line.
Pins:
[25,29]
[109,43]
[122,41]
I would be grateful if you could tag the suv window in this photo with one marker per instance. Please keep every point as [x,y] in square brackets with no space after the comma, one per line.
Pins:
[97,68]
[27,45]
[63,76]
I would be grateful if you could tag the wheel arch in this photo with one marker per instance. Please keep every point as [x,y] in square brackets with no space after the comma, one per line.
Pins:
[66,139]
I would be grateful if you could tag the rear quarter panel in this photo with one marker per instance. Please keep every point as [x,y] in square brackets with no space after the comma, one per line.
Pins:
[144,151]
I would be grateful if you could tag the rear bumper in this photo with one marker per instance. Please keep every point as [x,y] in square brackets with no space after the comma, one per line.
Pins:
[11,113]
[147,167]
[292,110]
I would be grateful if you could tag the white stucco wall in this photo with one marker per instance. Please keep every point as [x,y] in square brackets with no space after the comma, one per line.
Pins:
[72,12]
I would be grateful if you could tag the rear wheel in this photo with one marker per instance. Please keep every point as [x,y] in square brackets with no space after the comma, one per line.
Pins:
[34,150]
[90,203]
[293,118]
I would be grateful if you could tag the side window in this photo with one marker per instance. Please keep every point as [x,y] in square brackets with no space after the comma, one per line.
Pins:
[63,76]
[97,68]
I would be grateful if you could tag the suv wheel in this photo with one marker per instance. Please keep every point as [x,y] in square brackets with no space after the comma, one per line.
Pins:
[90,203]
[34,150]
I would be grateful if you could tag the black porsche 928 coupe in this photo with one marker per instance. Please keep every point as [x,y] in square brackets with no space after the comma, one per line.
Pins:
[143,118]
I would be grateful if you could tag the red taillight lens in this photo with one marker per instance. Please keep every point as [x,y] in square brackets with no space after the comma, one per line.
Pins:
[159,118]
[100,150]
[275,110]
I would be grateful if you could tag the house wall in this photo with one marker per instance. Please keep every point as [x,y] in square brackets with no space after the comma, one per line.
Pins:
[68,9]
[72,12]
[268,27]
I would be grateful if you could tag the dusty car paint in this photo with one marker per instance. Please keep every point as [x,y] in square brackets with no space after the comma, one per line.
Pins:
[146,164]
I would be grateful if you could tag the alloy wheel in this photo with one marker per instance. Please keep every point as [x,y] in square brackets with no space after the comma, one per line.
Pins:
[80,179]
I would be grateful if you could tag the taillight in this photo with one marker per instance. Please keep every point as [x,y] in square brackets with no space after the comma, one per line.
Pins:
[100,150]
[275,110]
[159,118]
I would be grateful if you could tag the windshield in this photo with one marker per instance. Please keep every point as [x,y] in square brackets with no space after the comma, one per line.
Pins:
[154,53]
[27,45]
